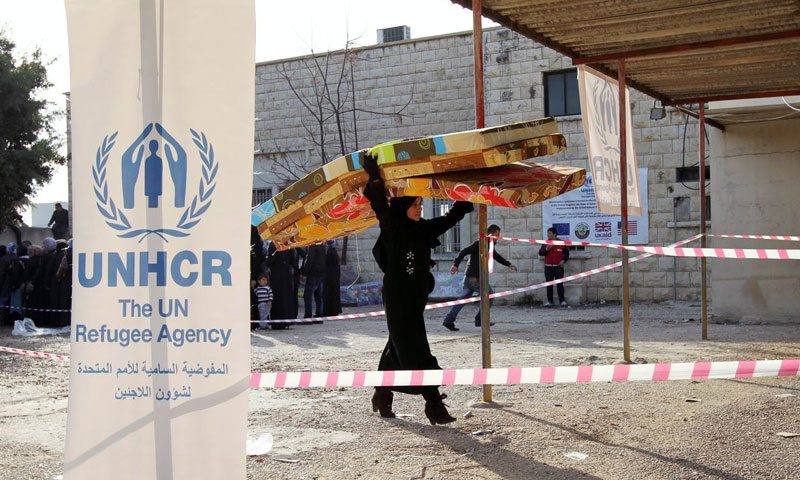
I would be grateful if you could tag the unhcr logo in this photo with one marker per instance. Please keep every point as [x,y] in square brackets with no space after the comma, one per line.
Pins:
[142,173]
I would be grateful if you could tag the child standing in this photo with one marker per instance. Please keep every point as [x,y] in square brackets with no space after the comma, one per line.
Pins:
[264,296]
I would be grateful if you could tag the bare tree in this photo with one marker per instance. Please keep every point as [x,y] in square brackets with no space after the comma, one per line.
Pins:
[326,89]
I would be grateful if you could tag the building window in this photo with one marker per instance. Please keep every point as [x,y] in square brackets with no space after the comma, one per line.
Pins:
[691,174]
[451,240]
[261,195]
[561,93]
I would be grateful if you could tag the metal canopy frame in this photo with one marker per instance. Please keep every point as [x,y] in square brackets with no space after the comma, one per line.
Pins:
[757,41]
[677,51]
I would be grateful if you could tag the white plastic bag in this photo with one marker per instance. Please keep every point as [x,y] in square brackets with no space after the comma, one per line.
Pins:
[26,328]
[261,446]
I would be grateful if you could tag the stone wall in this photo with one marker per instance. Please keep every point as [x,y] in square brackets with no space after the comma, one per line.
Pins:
[434,77]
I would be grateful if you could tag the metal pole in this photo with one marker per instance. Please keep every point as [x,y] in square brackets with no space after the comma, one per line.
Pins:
[623,182]
[483,245]
[703,283]
[477,56]
[486,339]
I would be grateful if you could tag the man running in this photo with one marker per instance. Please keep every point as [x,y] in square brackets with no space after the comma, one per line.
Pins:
[472,282]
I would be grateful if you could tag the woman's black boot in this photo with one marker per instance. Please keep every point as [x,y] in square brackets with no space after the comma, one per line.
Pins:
[382,402]
[436,411]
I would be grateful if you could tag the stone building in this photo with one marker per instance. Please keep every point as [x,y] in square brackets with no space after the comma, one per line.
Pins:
[424,87]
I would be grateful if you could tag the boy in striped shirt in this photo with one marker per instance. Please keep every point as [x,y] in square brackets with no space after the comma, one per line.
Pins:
[264,295]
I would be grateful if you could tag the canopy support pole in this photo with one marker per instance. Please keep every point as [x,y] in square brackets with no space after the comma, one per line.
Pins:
[703,266]
[623,190]
[483,245]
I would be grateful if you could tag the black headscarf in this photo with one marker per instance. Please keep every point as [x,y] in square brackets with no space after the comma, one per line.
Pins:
[399,205]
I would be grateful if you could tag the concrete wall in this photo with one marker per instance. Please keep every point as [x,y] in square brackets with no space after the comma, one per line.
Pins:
[756,167]
[33,234]
[434,76]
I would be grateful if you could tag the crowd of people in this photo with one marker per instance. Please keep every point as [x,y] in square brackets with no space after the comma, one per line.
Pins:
[276,276]
[36,282]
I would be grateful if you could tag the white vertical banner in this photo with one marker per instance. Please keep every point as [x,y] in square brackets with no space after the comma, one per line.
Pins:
[162,113]
[600,114]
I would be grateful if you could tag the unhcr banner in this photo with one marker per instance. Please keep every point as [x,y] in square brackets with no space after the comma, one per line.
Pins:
[162,109]
[600,113]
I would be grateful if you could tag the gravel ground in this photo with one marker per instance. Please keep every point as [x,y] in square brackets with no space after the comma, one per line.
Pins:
[640,430]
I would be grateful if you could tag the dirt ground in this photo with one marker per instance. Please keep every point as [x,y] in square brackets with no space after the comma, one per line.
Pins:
[638,430]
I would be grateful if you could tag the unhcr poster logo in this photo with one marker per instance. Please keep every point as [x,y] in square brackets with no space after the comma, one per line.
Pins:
[162,120]
[142,166]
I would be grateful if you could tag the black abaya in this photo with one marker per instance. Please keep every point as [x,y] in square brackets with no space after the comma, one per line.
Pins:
[404,251]
[281,279]
[331,291]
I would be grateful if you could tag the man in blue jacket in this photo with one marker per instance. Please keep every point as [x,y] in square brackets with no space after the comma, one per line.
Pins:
[472,282]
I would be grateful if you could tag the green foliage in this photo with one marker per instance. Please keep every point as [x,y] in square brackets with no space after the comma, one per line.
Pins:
[28,143]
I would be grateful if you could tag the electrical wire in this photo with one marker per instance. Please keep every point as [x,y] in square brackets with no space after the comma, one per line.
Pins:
[683,156]
[358,263]
[790,105]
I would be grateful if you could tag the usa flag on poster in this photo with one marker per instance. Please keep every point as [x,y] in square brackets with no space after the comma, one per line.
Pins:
[633,227]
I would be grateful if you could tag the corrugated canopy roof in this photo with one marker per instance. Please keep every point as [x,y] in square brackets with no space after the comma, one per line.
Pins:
[678,51]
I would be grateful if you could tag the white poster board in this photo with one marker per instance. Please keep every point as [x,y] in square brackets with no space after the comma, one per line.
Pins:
[600,115]
[162,116]
[575,217]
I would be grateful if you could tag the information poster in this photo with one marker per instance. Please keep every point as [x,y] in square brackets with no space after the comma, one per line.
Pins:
[162,117]
[575,217]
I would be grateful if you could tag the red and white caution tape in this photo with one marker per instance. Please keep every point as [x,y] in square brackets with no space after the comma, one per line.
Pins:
[491,256]
[510,376]
[504,293]
[789,238]
[529,375]
[347,316]
[30,353]
[738,253]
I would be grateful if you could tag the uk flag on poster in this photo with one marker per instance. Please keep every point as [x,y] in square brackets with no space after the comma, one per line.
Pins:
[602,230]
[633,227]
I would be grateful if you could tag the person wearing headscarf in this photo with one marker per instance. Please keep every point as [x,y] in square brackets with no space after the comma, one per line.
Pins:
[48,282]
[403,253]
[331,293]
[32,297]
[282,265]
[10,281]
[16,302]
[49,245]
[64,278]
[314,271]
